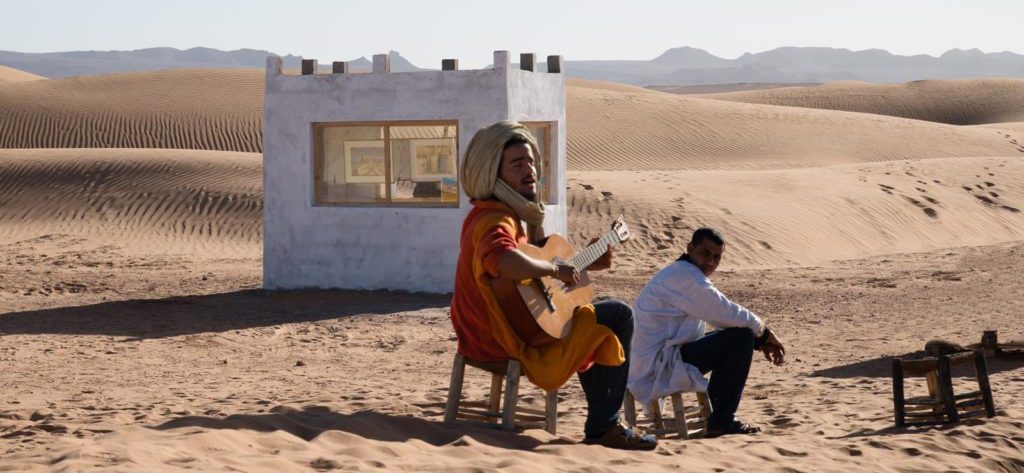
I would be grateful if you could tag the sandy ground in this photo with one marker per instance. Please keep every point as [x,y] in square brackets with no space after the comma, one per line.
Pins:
[129,363]
[8,75]
[134,335]
[956,102]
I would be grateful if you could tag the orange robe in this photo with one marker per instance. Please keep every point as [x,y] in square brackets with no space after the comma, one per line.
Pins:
[484,333]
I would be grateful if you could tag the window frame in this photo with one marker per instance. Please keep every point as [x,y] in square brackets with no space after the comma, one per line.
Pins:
[316,164]
[548,192]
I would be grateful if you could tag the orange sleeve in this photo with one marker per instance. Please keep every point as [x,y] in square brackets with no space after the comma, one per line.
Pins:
[494,242]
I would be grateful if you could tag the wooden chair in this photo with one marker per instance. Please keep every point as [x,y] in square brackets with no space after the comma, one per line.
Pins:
[941,405]
[685,422]
[512,416]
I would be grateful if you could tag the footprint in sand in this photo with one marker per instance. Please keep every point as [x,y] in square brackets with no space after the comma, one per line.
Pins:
[764,244]
[789,453]
[985,199]
[924,208]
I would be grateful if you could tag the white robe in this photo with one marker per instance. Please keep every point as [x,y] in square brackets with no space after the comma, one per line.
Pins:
[673,309]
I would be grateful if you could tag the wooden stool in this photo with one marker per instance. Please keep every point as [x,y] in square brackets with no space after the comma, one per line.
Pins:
[502,372]
[685,427]
[941,405]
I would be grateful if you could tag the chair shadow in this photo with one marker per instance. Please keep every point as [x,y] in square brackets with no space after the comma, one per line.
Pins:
[881,367]
[174,316]
[311,421]
[892,430]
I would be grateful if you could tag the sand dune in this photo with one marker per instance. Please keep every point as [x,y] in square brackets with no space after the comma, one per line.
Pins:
[723,88]
[573,83]
[955,102]
[151,200]
[9,74]
[611,126]
[799,217]
[610,130]
[195,201]
[213,109]
[1015,128]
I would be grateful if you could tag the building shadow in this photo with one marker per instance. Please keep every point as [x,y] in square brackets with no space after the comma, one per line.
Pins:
[310,422]
[174,316]
[881,367]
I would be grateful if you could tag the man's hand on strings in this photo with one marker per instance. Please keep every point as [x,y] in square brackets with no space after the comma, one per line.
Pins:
[566,272]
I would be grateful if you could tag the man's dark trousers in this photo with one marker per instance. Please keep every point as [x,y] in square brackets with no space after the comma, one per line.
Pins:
[605,386]
[727,355]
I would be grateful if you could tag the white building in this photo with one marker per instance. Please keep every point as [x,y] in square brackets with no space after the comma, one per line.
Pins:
[361,171]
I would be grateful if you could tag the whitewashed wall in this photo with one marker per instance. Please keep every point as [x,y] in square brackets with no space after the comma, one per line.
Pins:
[414,249]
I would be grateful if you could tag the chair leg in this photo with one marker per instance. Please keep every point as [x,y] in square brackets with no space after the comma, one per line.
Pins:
[508,414]
[946,389]
[451,407]
[981,370]
[935,393]
[679,415]
[494,402]
[551,412]
[629,409]
[705,411]
[898,399]
[656,416]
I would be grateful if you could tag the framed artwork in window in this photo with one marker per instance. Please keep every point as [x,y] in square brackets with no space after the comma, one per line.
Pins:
[433,159]
[364,161]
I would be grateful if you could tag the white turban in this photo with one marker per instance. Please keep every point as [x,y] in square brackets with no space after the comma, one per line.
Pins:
[483,161]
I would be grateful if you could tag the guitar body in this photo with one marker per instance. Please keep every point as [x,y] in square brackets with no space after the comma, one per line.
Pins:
[540,310]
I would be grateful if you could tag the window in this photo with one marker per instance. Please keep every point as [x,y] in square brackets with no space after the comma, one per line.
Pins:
[542,133]
[387,163]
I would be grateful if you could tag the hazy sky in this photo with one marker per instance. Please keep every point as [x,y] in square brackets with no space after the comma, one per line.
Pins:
[427,31]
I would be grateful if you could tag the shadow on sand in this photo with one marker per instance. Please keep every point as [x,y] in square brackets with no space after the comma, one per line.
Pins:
[173,316]
[882,367]
[311,421]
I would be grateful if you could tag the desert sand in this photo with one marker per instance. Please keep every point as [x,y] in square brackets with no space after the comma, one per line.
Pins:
[134,335]
[956,102]
[8,75]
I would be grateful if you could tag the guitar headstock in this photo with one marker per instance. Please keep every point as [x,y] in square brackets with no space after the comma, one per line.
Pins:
[620,229]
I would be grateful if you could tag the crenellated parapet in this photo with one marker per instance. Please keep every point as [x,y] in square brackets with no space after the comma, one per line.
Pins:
[381,64]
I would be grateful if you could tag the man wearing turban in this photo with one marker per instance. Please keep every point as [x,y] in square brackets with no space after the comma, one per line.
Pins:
[500,178]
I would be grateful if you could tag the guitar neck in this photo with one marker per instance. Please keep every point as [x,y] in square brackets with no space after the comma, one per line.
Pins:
[588,255]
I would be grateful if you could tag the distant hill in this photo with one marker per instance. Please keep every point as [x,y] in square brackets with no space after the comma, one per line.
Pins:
[87,63]
[677,66]
[689,66]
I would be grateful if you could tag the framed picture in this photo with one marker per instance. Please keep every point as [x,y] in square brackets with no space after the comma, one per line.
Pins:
[364,161]
[434,159]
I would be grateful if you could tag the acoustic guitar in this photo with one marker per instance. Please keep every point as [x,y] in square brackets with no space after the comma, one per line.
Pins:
[540,309]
